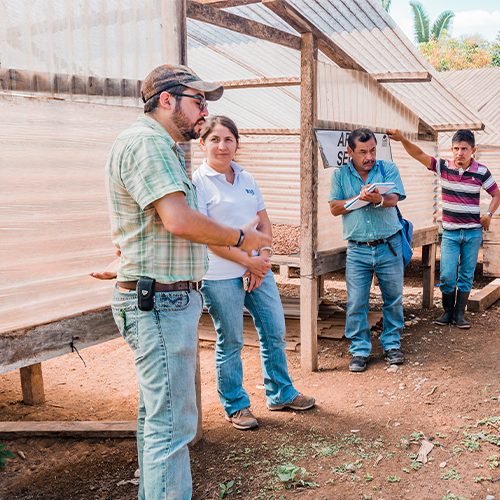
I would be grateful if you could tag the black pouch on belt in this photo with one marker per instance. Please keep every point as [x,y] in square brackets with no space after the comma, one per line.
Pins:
[146,294]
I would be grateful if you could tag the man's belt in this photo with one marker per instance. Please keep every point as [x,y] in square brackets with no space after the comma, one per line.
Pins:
[164,287]
[372,243]
[375,243]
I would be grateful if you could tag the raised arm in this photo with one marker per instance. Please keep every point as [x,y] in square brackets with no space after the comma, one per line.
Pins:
[412,149]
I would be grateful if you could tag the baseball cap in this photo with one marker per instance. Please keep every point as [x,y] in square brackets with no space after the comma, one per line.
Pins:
[167,76]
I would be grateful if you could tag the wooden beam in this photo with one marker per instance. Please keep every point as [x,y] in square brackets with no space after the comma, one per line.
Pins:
[426,132]
[327,262]
[223,4]
[481,300]
[32,384]
[83,429]
[26,347]
[31,81]
[453,128]
[425,236]
[301,24]
[429,275]
[409,77]
[308,204]
[261,82]
[223,19]
[269,131]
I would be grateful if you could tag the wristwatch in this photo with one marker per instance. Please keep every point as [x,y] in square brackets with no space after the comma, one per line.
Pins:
[489,214]
[381,204]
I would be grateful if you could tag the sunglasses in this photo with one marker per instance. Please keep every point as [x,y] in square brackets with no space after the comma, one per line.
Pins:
[203,102]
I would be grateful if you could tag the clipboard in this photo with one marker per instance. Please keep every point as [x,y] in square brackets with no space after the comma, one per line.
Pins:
[383,187]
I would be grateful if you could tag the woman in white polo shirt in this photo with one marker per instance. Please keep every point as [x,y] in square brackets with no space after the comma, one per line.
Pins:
[228,194]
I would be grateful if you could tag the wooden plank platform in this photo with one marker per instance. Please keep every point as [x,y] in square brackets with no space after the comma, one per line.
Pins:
[483,299]
[88,429]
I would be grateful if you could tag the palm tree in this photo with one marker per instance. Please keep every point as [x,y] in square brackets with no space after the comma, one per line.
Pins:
[386,4]
[422,24]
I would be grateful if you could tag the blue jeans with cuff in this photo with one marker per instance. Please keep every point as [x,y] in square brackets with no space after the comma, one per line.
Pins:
[361,262]
[164,344]
[459,249]
[225,300]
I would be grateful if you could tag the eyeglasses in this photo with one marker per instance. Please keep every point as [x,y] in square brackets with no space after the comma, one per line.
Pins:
[203,102]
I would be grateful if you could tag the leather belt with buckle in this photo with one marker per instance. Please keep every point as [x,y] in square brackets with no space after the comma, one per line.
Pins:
[164,287]
[373,243]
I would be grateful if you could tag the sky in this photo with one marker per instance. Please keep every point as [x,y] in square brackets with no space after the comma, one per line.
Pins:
[481,16]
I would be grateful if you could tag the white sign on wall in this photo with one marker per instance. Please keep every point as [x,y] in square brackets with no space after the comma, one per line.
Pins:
[333,147]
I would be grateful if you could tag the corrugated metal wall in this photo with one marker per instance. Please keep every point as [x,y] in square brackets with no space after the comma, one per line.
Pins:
[351,99]
[53,209]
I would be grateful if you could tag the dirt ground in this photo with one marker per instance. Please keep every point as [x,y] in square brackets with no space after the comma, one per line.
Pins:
[358,442]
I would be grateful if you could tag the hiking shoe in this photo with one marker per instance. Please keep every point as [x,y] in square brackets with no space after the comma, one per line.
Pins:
[301,402]
[243,419]
[394,356]
[358,364]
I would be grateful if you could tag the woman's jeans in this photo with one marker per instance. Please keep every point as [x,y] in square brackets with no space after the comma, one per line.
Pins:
[225,300]
[459,248]
[361,262]
[164,343]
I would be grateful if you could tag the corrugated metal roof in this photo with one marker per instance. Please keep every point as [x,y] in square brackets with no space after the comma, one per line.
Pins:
[361,28]
[481,87]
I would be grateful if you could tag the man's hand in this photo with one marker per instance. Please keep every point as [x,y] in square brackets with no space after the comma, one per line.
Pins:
[254,239]
[372,197]
[259,265]
[395,135]
[109,273]
[485,222]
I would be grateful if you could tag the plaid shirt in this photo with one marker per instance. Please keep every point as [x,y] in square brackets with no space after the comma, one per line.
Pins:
[144,165]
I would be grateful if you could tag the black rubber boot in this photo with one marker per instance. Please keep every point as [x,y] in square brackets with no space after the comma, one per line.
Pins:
[458,315]
[449,306]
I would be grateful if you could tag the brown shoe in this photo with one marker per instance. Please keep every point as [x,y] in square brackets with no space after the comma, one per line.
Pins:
[243,419]
[301,402]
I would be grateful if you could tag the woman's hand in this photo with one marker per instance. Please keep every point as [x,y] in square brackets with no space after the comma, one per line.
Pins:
[255,281]
[259,265]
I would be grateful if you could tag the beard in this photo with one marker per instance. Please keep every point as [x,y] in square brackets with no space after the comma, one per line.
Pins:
[184,126]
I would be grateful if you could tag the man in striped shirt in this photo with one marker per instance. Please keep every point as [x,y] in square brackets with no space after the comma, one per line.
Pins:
[461,181]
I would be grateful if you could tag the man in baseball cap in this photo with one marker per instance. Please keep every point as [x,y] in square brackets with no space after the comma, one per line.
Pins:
[167,76]
[162,238]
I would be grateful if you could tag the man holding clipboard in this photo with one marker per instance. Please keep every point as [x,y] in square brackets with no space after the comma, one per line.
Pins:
[365,193]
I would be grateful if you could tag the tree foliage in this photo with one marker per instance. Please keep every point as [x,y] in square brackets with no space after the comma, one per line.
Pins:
[421,23]
[386,4]
[461,53]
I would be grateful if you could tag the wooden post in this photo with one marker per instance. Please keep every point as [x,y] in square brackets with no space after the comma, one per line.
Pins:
[429,263]
[174,31]
[308,205]
[321,286]
[32,384]
[284,271]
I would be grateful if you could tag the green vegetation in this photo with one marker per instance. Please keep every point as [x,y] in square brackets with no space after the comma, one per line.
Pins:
[5,455]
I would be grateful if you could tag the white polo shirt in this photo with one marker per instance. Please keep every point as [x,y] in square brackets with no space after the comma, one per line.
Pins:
[230,204]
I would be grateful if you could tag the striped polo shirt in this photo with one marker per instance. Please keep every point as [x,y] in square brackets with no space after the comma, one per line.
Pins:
[461,192]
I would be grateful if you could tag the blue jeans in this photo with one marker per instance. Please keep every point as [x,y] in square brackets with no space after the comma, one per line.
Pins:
[164,343]
[459,248]
[225,300]
[362,261]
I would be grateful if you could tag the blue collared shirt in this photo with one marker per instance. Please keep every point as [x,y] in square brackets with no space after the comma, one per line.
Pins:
[367,223]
